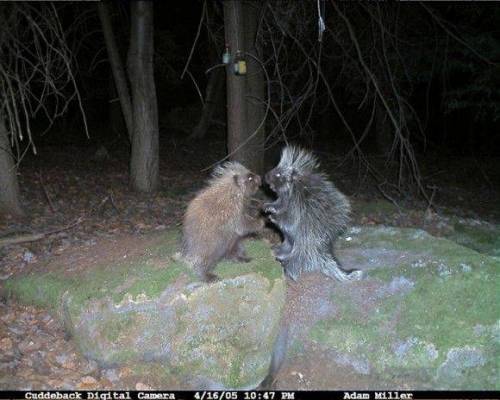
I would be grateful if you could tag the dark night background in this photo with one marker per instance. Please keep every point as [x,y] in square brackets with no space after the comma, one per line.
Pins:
[436,65]
[460,96]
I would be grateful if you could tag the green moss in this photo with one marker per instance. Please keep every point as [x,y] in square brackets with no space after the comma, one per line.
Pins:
[42,290]
[156,374]
[110,334]
[383,207]
[148,273]
[124,356]
[383,274]
[449,293]
[152,281]
[446,310]
[263,263]
[424,254]
[261,372]
[167,245]
[354,336]
[411,331]
[296,348]
[114,325]
[484,239]
[234,377]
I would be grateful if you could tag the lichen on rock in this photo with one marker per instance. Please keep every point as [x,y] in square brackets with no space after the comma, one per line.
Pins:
[427,309]
[150,308]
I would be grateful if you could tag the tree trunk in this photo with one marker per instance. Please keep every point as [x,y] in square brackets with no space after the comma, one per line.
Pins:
[256,89]
[245,93]
[213,94]
[235,85]
[10,198]
[144,161]
[116,123]
[117,66]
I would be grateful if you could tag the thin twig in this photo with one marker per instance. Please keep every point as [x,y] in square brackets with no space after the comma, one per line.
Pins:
[203,12]
[457,38]
[38,236]
[46,193]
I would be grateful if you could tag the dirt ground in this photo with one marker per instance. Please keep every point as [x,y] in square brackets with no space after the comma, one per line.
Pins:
[87,213]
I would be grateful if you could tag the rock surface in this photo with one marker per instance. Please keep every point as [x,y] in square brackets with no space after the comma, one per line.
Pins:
[479,235]
[427,312]
[149,308]
[425,317]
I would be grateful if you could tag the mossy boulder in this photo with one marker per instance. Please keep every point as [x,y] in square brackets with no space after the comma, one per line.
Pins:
[151,308]
[374,207]
[428,311]
[481,236]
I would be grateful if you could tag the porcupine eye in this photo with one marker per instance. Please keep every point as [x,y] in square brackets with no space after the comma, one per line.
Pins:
[252,183]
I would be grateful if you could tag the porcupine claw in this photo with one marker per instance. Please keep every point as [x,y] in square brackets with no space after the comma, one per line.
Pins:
[269,209]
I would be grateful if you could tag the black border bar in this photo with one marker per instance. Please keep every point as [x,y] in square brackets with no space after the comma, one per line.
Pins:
[246,395]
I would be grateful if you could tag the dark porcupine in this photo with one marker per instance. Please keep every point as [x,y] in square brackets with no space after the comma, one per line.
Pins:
[217,219]
[310,213]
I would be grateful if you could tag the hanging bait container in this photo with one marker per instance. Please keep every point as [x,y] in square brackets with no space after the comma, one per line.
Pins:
[226,56]
[239,64]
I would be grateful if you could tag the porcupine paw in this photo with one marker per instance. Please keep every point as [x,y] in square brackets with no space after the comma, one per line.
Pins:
[342,275]
[280,255]
[239,255]
[209,277]
[354,275]
[243,259]
[269,208]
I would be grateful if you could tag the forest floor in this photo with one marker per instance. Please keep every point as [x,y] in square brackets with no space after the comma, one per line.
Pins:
[76,199]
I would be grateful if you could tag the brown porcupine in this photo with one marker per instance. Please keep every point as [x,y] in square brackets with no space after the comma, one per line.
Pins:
[217,219]
[310,213]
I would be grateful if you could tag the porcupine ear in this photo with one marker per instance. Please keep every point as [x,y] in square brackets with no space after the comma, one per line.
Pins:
[219,169]
[223,167]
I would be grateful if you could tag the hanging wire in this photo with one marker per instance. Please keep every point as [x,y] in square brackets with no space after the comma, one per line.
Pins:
[321,22]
